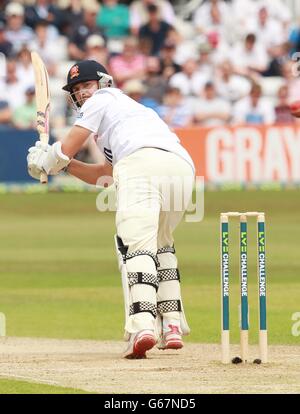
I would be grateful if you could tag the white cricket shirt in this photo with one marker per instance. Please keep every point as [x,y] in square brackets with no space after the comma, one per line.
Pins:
[122,126]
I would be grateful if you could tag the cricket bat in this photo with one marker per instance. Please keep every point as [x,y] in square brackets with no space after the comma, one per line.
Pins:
[42,96]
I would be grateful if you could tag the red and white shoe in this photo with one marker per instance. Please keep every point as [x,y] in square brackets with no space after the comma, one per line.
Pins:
[139,343]
[171,339]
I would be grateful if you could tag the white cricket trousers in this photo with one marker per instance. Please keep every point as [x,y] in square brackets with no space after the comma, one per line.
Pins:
[154,188]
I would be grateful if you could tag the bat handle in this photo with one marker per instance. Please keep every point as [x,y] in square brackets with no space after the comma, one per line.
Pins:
[43,178]
[44,138]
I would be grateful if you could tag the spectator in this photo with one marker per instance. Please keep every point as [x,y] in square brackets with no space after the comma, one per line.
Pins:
[205,62]
[24,68]
[72,16]
[155,83]
[211,110]
[81,33]
[216,26]
[219,50]
[43,10]
[6,47]
[241,11]
[155,31]
[250,58]
[175,111]
[51,51]
[17,33]
[294,40]
[268,31]
[282,110]
[280,55]
[245,10]
[130,64]
[3,4]
[136,90]
[139,13]
[211,16]
[190,80]
[113,19]
[14,89]
[279,10]
[219,27]
[254,109]
[185,49]
[24,116]
[168,66]
[290,73]
[96,49]
[230,86]
[5,113]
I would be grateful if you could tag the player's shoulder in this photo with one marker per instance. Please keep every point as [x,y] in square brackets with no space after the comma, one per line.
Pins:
[108,92]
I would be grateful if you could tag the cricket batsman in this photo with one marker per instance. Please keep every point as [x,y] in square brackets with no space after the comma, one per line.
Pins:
[142,155]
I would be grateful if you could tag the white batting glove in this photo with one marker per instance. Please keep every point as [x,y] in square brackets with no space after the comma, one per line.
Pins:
[35,158]
[46,158]
[55,160]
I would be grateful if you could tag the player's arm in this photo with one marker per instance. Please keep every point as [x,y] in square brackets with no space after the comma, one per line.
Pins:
[89,173]
[74,140]
[52,159]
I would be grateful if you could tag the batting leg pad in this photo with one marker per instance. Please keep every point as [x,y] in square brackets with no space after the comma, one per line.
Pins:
[140,284]
[169,301]
[121,251]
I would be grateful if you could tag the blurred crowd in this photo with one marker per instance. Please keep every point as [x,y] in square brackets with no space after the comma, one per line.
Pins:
[229,62]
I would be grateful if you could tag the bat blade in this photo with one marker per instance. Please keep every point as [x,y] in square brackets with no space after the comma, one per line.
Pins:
[42,96]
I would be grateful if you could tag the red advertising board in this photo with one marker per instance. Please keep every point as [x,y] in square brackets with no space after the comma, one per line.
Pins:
[245,154]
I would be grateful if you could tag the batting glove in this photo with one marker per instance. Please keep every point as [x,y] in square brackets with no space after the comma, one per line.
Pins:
[46,158]
[35,158]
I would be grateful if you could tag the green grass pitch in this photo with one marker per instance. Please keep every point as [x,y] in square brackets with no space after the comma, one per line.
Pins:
[8,386]
[59,276]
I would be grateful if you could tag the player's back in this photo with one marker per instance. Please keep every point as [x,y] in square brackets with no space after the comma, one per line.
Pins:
[124,125]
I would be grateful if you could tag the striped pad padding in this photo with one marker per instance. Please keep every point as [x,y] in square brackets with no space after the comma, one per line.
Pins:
[138,307]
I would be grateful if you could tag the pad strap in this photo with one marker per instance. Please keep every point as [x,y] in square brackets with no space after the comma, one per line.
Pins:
[123,249]
[129,256]
[169,306]
[145,278]
[168,274]
[167,249]
[138,307]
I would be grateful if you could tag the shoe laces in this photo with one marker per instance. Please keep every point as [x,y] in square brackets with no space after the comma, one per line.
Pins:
[173,329]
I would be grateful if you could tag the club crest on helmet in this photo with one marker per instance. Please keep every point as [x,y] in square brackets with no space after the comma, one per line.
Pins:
[74,72]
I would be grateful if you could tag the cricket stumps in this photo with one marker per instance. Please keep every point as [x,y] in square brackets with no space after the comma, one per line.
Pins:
[225,279]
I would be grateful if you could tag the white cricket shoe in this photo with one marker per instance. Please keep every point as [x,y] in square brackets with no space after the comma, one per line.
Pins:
[139,343]
[171,338]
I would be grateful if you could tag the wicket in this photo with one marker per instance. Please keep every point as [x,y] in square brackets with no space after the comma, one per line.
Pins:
[225,278]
